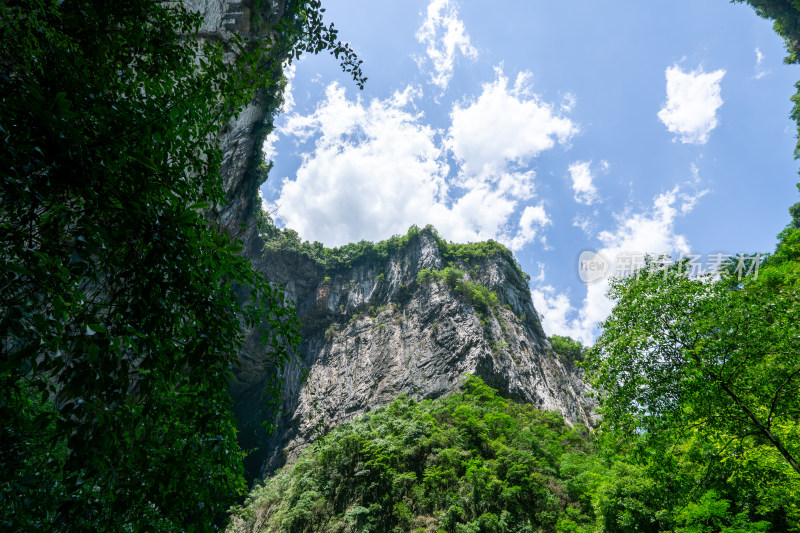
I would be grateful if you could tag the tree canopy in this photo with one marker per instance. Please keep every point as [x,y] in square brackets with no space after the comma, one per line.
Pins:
[679,352]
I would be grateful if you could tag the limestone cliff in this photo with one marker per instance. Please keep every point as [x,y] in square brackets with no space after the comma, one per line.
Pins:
[242,139]
[371,330]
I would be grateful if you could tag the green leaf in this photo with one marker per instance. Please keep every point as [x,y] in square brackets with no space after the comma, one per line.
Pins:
[97,328]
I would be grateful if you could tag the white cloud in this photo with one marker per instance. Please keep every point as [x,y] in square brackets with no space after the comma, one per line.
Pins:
[555,311]
[504,125]
[693,99]
[636,233]
[269,146]
[532,220]
[288,92]
[443,35]
[759,68]
[569,102]
[372,169]
[582,186]
[585,224]
[539,278]
[534,216]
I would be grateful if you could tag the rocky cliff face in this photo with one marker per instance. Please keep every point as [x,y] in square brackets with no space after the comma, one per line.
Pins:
[371,330]
[242,139]
[375,329]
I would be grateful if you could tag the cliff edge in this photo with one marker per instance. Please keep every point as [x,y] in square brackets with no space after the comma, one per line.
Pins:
[414,315]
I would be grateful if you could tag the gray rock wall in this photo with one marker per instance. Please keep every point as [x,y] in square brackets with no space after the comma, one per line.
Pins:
[241,138]
[372,332]
[420,339]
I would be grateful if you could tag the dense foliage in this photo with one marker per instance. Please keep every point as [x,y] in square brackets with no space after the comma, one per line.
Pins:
[567,348]
[704,375]
[345,257]
[119,316]
[698,384]
[466,462]
[720,355]
[474,462]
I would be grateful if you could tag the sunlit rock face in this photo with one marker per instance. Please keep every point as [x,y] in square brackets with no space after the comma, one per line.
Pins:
[370,331]
[373,331]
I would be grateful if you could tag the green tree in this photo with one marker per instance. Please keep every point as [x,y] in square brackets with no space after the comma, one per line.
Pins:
[698,382]
[567,348]
[119,309]
[679,352]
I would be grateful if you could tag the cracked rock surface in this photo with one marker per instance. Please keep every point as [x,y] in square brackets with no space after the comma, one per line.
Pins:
[371,332]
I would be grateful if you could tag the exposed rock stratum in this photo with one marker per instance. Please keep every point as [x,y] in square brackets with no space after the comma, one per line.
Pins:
[371,329]
[374,330]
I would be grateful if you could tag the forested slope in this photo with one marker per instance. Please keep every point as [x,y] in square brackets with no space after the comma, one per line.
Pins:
[475,462]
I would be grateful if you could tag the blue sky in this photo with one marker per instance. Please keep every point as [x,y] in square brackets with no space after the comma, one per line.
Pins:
[622,127]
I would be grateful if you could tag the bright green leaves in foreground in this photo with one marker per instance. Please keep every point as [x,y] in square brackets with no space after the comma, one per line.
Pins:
[679,353]
[704,372]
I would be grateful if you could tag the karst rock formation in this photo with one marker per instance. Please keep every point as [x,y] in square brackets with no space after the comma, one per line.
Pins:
[371,330]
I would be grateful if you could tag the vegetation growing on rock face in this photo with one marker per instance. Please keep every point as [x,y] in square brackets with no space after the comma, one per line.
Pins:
[567,348]
[349,255]
[337,261]
[482,299]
